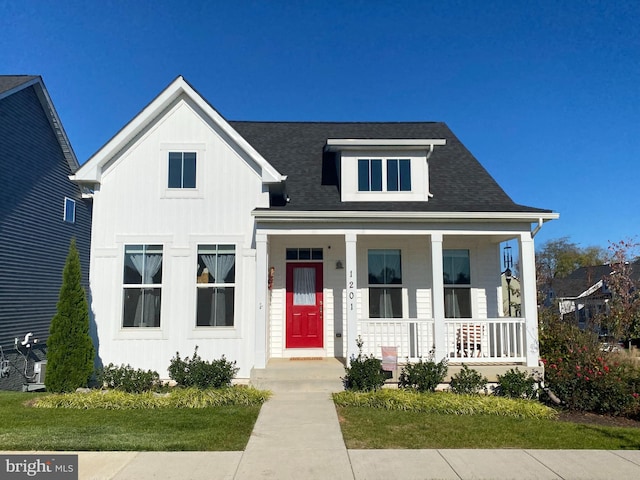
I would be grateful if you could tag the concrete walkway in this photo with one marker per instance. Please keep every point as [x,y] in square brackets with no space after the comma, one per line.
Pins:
[297,436]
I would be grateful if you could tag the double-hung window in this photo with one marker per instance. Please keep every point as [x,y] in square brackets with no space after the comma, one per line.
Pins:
[384,174]
[457,283]
[215,285]
[182,170]
[142,285]
[385,284]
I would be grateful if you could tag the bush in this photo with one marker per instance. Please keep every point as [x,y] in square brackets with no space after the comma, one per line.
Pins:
[423,376]
[516,384]
[178,398]
[195,372]
[445,403]
[127,379]
[364,373]
[468,382]
[584,377]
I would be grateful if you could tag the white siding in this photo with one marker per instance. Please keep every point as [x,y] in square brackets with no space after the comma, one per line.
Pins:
[132,207]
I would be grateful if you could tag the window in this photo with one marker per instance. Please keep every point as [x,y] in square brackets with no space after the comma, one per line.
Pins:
[385,278]
[142,285]
[69,210]
[371,173]
[398,175]
[304,254]
[182,170]
[215,285]
[457,281]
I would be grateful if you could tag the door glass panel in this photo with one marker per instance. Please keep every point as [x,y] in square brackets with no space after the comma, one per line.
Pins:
[304,286]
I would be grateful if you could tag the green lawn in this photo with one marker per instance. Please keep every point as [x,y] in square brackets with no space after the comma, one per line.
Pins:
[26,428]
[365,427]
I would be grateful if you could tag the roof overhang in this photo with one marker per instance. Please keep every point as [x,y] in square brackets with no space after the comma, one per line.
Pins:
[342,144]
[383,217]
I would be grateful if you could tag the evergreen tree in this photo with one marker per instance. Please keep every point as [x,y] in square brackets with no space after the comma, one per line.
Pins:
[70,351]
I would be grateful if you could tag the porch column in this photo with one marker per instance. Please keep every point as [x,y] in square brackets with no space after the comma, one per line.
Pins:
[528,295]
[262,274]
[351,292]
[437,299]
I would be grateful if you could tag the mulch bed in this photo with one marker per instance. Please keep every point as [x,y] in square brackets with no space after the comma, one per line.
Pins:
[598,420]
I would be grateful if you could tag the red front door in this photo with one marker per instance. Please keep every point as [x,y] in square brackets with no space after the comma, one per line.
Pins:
[304,305]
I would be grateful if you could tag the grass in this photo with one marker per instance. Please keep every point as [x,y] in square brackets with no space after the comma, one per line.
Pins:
[223,428]
[417,425]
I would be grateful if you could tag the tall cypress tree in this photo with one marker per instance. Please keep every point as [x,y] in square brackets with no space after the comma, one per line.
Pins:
[70,351]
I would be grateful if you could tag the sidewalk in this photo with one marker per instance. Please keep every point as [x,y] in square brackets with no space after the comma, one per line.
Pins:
[297,436]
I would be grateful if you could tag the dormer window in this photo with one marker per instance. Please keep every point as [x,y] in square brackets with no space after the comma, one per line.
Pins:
[383,170]
[376,173]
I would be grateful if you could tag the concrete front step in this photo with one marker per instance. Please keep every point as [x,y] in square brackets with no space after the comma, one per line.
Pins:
[300,375]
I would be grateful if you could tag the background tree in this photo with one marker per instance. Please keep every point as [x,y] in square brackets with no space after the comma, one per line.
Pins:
[70,351]
[559,257]
[622,317]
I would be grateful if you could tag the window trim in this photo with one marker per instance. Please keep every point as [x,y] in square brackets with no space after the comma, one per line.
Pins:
[69,201]
[141,285]
[466,287]
[394,286]
[165,192]
[207,285]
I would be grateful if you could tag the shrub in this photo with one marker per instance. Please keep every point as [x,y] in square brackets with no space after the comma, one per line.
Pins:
[468,382]
[423,376]
[364,373]
[584,377]
[445,403]
[195,372]
[127,379]
[516,384]
[70,351]
[178,398]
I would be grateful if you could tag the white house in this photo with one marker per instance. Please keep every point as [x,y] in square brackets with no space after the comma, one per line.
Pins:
[262,240]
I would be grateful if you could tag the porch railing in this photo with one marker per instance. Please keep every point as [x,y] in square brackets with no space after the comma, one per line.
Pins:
[413,337]
[465,340]
[490,340]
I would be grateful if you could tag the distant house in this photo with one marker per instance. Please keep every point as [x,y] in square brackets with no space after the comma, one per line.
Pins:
[583,295]
[271,240]
[40,211]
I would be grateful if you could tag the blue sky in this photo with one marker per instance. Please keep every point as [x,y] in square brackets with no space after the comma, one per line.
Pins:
[545,94]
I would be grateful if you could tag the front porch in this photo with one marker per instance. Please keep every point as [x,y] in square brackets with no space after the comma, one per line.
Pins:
[408,301]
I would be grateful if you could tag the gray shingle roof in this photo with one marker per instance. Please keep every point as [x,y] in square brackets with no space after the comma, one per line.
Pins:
[8,82]
[584,277]
[458,182]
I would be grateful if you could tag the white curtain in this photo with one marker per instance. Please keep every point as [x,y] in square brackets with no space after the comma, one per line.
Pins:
[304,286]
[452,306]
[386,307]
[219,272]
[148,303]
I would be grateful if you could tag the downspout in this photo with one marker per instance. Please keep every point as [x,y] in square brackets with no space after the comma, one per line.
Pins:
[429,194]
[537,229]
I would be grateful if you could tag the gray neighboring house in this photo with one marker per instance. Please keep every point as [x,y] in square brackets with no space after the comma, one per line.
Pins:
[583,295]
[40,211]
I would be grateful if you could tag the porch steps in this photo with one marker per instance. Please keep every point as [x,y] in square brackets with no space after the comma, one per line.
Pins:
[300,375]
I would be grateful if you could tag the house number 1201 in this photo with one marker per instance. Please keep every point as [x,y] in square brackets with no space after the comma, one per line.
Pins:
[351,292]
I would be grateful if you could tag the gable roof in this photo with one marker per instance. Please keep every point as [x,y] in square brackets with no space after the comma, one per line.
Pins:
[458,182]
[583,279]
[11,84]
[91,171]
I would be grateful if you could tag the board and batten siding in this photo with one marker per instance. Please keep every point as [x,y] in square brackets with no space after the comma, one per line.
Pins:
[34,239]
[134,207]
